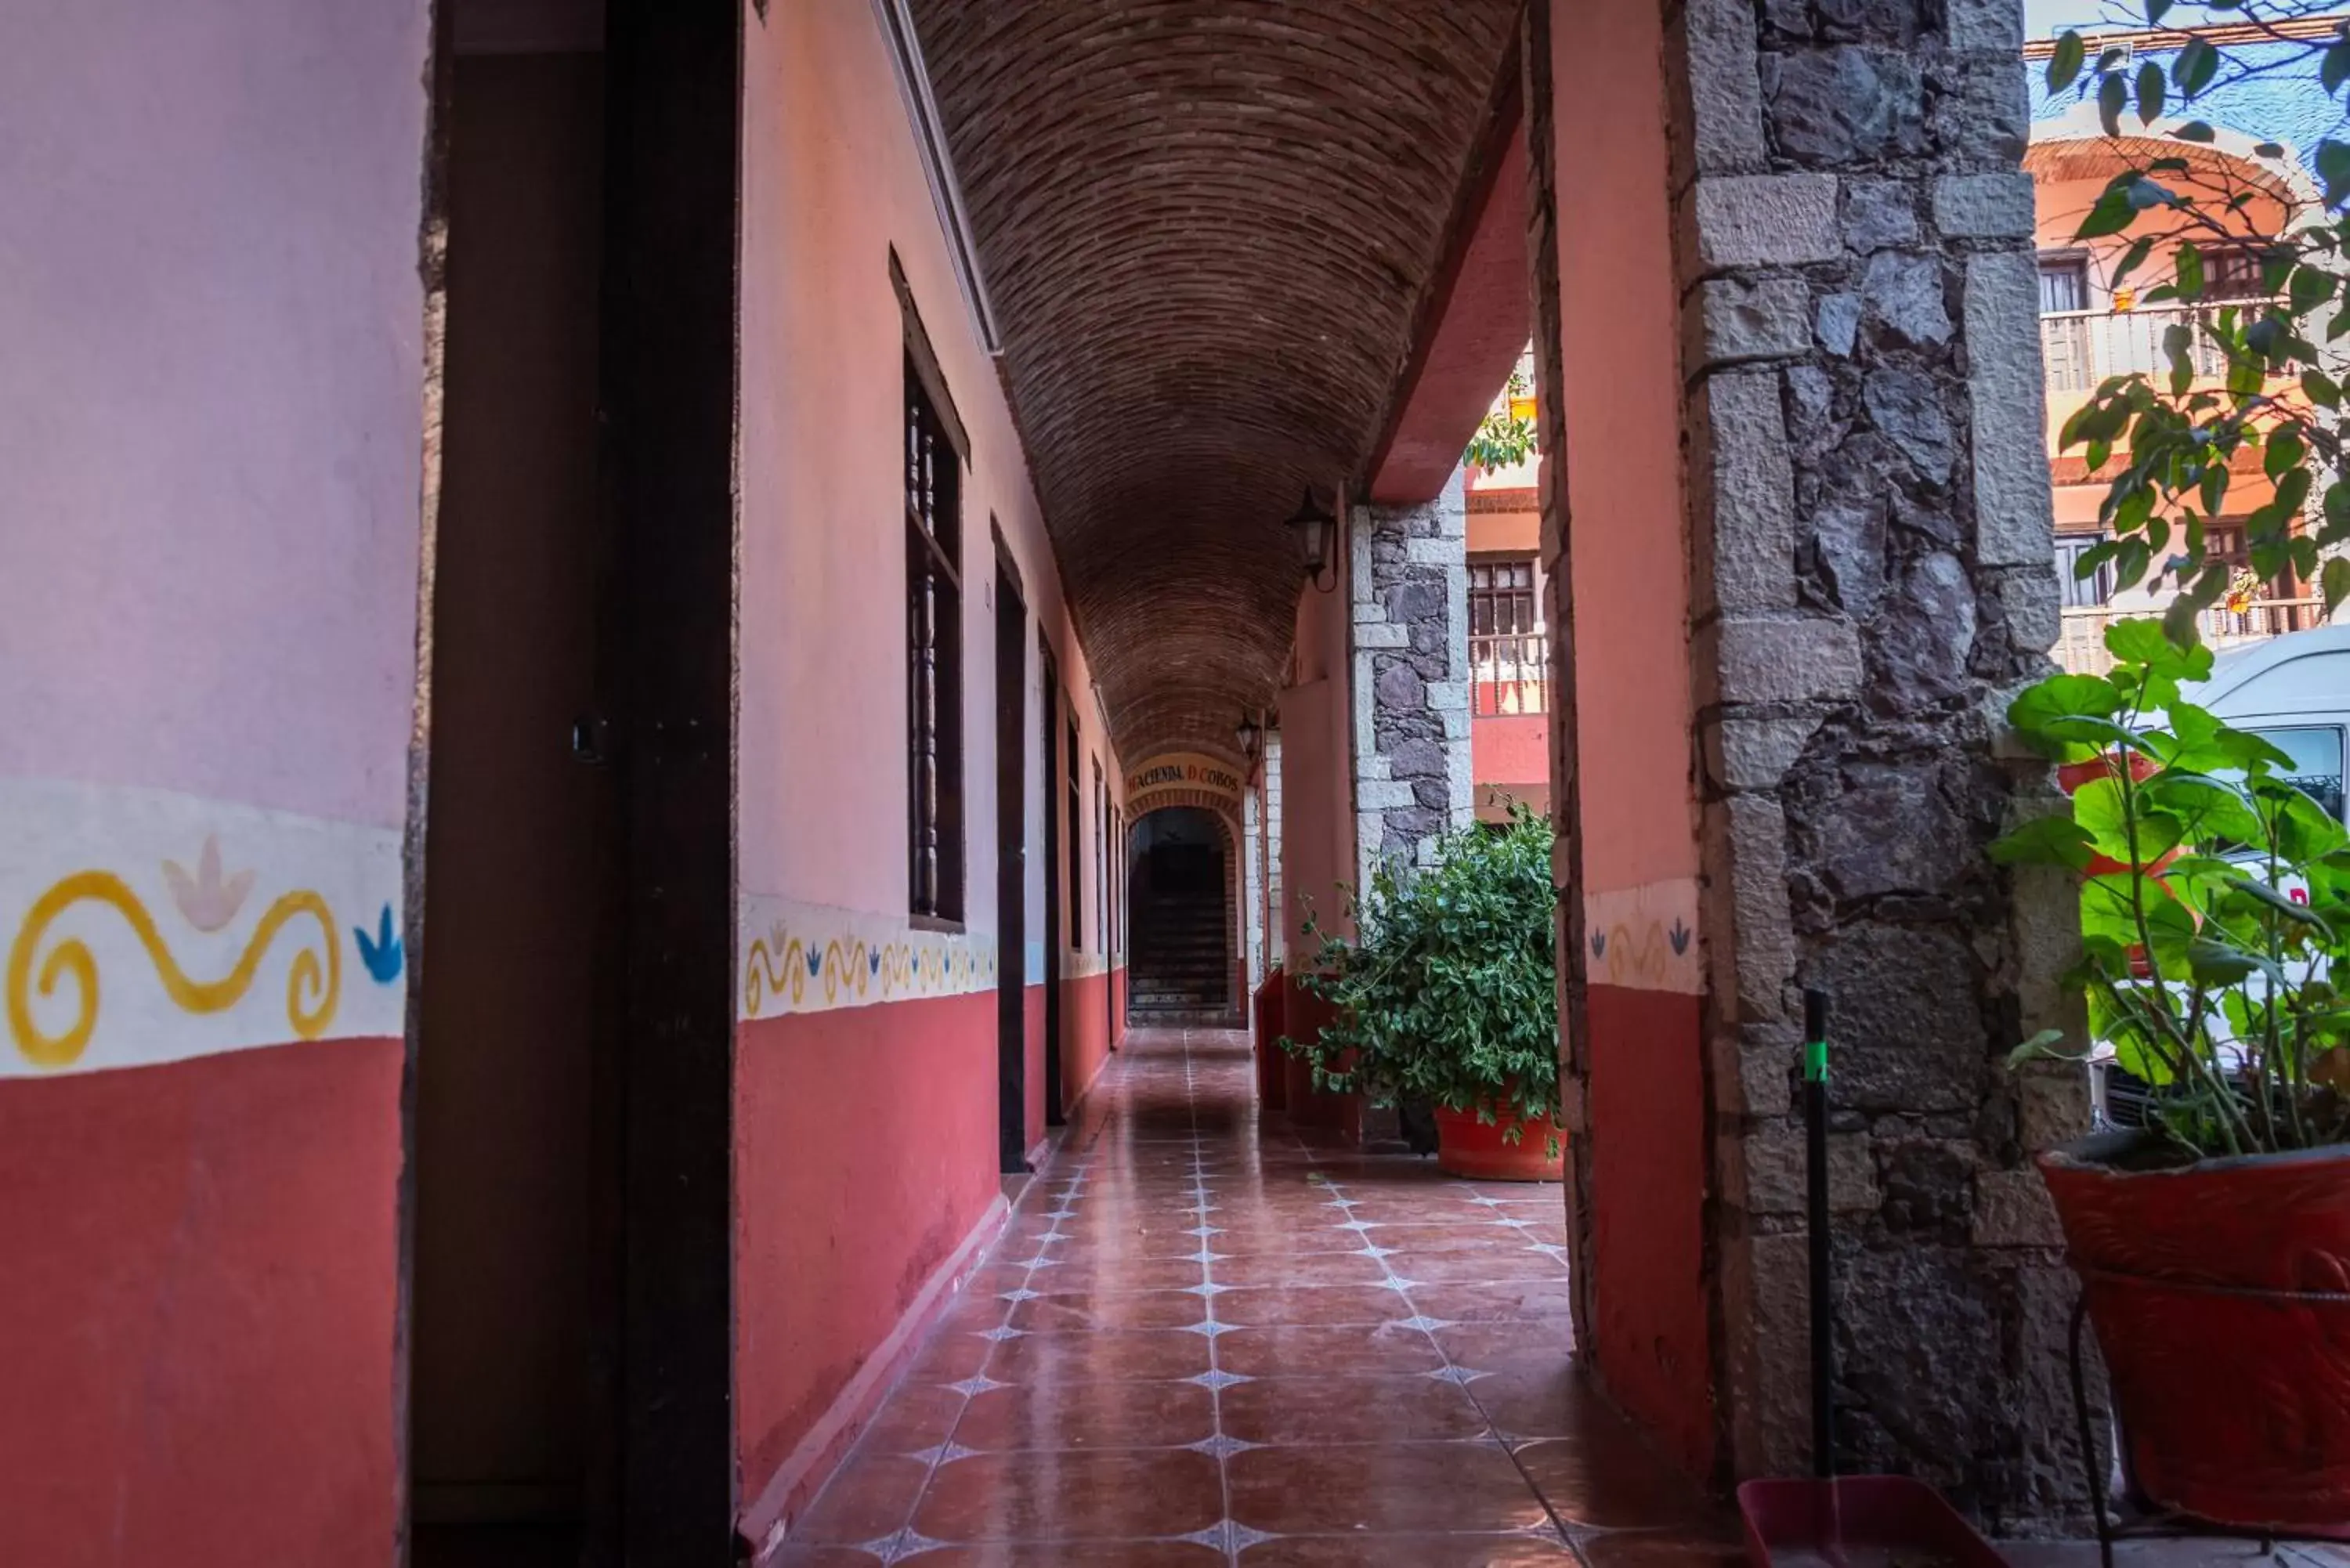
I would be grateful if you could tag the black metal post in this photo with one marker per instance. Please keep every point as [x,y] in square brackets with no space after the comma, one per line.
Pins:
[1816,1155]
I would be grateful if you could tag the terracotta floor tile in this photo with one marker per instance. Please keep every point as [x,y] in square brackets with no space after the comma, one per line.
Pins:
[1110,1309]
[1611,1481]
[870,1497]
[970,1313]
[1349,1409]
[996,1277]
[1309,1269]
[1164,1237]
[1320,1351]
[917,1416]
[1401,1487]
[1525,1344]
[1477,1268]
[1088,1416]
[1361,1459]
[1514,1551]
[1461,1235]
[1257,1306]
[1108,1355]
[1072,1496]
[1480,1303]
[1071,1554]
[1717,1548]
[1555,1402]
[951,1355]
[1290,1241]
[1089,1273]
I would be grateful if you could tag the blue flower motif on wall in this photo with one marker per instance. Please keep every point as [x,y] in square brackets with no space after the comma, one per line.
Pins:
[382,956]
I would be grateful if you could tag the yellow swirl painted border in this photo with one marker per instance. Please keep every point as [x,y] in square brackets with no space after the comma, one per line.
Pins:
[777,968]
[73,958]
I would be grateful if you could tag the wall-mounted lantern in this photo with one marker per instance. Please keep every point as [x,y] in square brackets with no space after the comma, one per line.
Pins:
[1314,528]
[1251,736]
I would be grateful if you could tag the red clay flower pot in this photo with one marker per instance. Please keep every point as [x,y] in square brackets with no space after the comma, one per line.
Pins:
[2221,1295]
[1272,1060]
[1466,1147]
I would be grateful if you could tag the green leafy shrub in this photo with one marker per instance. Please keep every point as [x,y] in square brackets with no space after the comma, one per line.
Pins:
[1504,439]
[2215,903]
[1448,992]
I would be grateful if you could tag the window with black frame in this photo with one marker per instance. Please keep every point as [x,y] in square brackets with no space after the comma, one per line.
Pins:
[1101,860]
[2316,767]
[2080,592]
[933,659]
[1077,848]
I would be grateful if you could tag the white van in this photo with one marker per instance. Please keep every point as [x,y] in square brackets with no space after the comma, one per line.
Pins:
[2294,692]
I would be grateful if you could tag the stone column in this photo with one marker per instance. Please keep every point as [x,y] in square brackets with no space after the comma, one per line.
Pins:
[1253,888]
[1871,577]
[1874,574]
[1409,569]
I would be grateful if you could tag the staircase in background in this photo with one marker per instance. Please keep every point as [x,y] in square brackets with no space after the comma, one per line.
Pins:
[1180,969]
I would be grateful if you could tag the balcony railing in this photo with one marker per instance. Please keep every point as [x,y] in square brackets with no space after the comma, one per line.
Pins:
[2081,348]
[2081,649]
[1509,674]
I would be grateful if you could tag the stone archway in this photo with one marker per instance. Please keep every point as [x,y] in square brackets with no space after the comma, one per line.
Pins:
[1183,961]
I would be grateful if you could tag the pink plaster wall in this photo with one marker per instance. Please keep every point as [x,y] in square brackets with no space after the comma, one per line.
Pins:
[831,184]
[1628,574]
[210,456]
[1506,531]
[867,1142]
[1510,749]
[1619,333]
[1317,808]
[211,437]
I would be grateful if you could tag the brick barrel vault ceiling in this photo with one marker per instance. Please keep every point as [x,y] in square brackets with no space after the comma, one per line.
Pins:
[1205,226]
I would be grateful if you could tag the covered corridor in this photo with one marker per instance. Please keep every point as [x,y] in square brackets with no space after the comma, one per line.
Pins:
[1204,1340]
[590,590]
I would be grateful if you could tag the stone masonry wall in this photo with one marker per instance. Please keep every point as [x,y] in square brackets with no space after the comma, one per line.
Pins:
[1872,577]
[1277,935]
[1868,502]
[1408,581]
[1252,887]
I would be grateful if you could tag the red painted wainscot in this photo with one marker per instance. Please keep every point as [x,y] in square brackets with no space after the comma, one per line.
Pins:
[201,1261]
[866,1188]
[1648,1121]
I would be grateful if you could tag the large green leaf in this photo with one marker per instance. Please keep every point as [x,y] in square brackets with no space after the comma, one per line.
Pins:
[2064,63]
[2193,69]
[2220,964]
[2136,833]
[2206,807]
[2140,641]
[2261,893]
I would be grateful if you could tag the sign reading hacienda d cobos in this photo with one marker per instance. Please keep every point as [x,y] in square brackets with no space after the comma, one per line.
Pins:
[1183,772]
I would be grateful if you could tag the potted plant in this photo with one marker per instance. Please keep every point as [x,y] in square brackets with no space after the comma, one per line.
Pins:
[2213,1243]
[1447,994]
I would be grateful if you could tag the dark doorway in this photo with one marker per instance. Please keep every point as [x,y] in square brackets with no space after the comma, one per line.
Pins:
[510,1427]
[1011,866]
[567,1326]
[1049,725]
[1180,933]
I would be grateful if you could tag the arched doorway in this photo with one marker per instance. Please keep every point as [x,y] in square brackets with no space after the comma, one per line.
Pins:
[1181,866]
